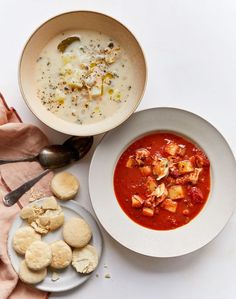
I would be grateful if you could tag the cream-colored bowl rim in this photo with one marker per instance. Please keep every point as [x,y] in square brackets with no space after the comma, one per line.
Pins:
[72,12]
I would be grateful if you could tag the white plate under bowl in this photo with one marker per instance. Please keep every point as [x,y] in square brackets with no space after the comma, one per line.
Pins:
[206,225]
[69,278]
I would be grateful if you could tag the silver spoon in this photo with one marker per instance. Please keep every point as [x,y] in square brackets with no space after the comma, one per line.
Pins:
[54,156]
[50,157]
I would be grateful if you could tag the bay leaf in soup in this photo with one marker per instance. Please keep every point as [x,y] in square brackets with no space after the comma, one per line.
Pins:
[67,42]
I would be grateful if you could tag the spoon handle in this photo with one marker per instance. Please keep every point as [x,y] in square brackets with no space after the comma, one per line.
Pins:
[12,197]
[29,159]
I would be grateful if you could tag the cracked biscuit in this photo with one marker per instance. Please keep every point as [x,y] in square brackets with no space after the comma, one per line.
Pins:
[47,217]
[85,259]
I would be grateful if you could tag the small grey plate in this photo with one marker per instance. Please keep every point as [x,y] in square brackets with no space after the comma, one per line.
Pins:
[69,278]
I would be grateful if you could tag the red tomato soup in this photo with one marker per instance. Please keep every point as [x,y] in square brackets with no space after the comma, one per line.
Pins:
[162,181]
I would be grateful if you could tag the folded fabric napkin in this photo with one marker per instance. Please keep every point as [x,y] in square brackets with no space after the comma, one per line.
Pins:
[17,140]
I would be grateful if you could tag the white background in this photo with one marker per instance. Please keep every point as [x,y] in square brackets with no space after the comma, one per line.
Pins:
[190,48]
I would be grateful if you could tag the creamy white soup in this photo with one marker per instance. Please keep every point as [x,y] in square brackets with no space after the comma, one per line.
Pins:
[84,76]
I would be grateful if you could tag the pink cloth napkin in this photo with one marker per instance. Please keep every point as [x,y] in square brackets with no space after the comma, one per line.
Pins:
[17,140]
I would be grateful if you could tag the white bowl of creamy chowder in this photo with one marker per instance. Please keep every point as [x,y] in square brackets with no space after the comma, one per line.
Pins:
[82,73]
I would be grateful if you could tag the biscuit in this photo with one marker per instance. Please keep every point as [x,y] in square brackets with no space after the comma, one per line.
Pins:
[39,228]
[76,232]
[55,218]
[29,276]
[50,203]
[27,212]
[64,185]
[38,255]
[31,213]
[50,220]
[23,238]
[85,260]
[61,255]
[45,218]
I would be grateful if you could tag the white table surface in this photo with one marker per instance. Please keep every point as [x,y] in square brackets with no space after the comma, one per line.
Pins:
[190,48]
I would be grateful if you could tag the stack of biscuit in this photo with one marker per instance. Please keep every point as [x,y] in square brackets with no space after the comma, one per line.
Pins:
[59,254]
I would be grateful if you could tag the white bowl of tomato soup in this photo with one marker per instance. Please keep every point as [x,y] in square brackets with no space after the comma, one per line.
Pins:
[167,184]
[82,73]
[167,181]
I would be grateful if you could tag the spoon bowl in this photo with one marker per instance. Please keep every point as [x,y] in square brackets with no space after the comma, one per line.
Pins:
[56,156]
[80,145]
